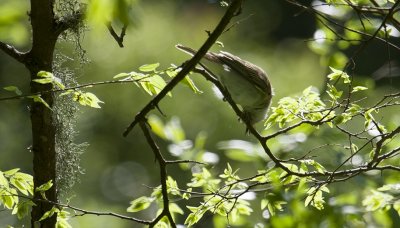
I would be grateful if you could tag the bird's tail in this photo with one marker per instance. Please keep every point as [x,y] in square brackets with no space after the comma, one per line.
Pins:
[210,56]
[188,50]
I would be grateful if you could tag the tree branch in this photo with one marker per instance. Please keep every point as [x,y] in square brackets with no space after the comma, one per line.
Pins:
[87,85]
[232,11]
[13,52]
[118,38]
[163,176]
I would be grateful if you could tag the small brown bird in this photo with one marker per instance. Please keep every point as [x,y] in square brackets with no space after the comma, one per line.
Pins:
[247,83]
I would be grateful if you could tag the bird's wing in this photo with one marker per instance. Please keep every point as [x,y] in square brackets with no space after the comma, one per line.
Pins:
[253,73]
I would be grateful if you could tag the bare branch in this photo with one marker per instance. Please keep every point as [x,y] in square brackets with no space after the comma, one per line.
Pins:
[163,176]
[13,52]
[118,38]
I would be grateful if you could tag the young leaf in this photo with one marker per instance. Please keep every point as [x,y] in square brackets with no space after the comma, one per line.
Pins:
[45,74]
[140,204]
[11,172]
[44,187]
[149,67]
[38,98]
[13,89]
[87,99]
[49,213]
[336,74]
[121,75]
[92,100]
[189,82]
[358,88]
[43,80]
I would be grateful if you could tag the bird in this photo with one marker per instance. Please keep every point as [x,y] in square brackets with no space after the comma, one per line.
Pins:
[248,84]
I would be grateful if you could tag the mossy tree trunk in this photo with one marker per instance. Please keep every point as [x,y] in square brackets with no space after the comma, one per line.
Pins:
[46,29]
[40,57]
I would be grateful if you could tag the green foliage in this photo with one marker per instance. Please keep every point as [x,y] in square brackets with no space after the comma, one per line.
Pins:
[307,107]
[14,89]
[140,204]
[43,188]
[222,193]
[315,197]
[151,81]
[62,217]
[12,183]
[83,98]
[283,187]
[156,197]
[384,198]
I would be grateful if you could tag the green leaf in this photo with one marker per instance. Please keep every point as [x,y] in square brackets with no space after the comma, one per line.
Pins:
[377,200]
[390,187]
[13,89]
[153,84]
[49,213]
[63,223]
[11,172]
[149,67]
[66,92]
[358,88]
[264,203]
[308,200]
[333,92]
[43,80]
[23,209]
[87,99]
[174,208]
[3,181]
[44,187]
[121,75]
[319,167]
[173,186]
[140,204]
[157,126]
[396,206]
[187,194]
[336,74]
[6,199]
[45,74]
[354,109]
[38,98]
[21,185]
[324,188]
[338,119]
[189,82]
[192,219]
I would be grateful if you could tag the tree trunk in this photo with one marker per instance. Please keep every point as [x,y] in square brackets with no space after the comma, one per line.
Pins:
[40,57]
[44,155]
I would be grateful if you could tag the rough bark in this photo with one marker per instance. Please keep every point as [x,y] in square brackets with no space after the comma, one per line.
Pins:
[40,57]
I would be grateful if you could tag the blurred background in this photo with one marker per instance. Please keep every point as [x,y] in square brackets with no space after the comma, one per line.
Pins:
[272,34]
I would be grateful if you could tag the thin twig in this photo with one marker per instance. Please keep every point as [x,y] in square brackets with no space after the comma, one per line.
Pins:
[163,176]
[119,38]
